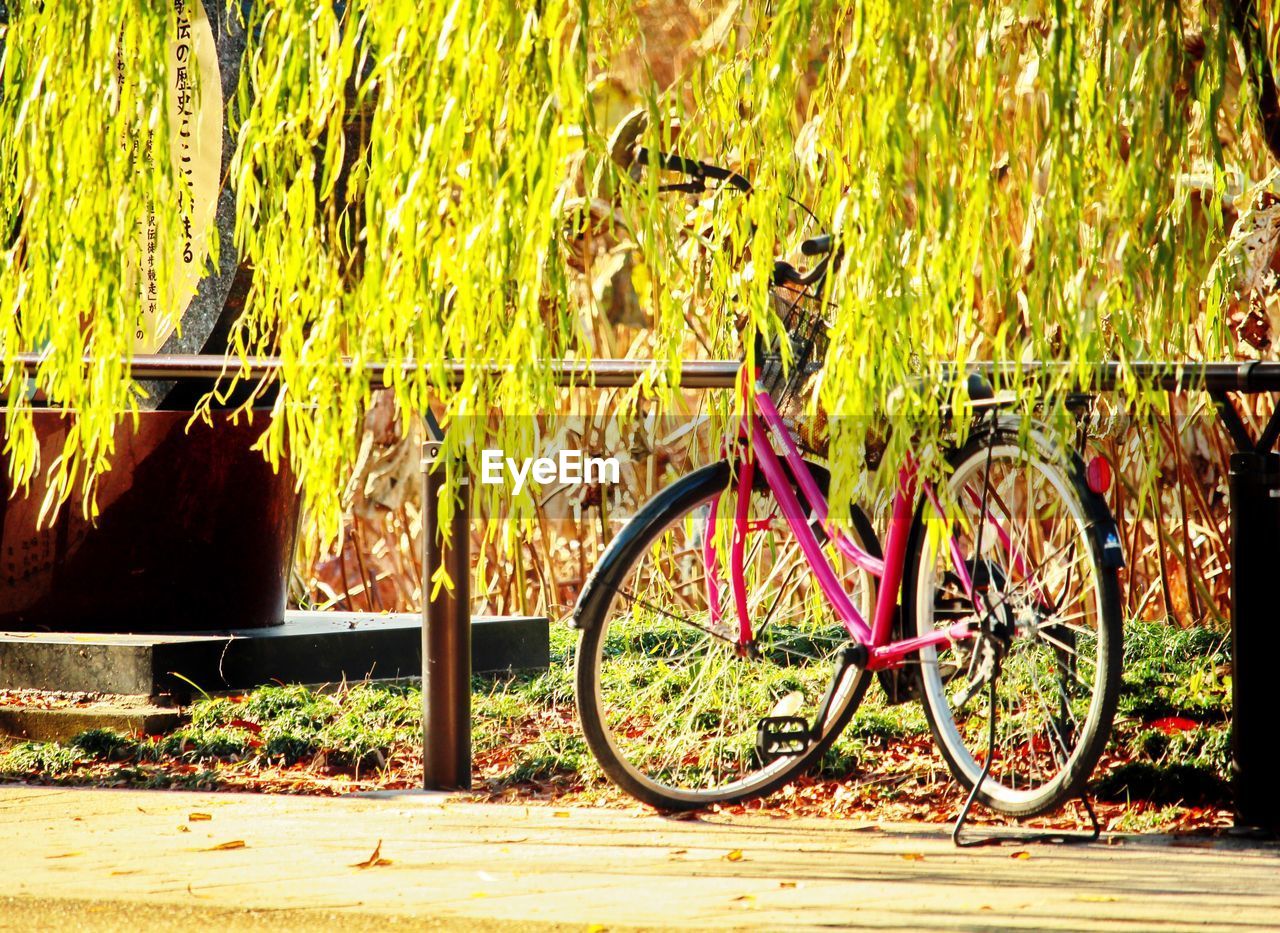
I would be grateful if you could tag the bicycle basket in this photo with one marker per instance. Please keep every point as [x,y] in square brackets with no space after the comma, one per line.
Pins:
[804,320]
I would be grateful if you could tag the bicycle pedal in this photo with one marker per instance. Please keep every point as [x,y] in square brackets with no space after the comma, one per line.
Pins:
[780,736]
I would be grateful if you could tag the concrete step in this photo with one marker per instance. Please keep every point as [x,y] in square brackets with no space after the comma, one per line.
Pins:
[309,648]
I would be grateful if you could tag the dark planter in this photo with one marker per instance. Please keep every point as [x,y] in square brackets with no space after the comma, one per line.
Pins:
[195,532]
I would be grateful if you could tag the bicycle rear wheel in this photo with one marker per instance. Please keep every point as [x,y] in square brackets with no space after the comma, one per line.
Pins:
[1053,607]
[670,709]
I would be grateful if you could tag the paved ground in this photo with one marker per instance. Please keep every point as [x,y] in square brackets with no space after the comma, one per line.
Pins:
[127,860]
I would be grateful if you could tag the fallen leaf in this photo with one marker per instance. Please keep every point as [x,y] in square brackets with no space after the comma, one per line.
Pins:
[1172,725]
[233,844]
[1020,854]
[561,813]
[64,855]
[198,817]
[1096,898]
[911,856]
[184,828]
[786,884]
[748,898]
[734,856]
[374,860]
[246,725]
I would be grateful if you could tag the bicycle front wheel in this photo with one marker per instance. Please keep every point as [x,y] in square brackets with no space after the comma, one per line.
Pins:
[1052,610]
[671,708]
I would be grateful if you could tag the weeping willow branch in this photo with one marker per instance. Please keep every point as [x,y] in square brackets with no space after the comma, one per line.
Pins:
[82,173]
[1004,179]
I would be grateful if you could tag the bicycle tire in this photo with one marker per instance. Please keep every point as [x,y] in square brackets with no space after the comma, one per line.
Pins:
[596,612]
[1088,513]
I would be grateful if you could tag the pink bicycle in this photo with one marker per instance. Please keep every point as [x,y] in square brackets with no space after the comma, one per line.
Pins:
[716,668]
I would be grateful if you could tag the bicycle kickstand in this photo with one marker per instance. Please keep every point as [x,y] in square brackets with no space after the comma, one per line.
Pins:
[995,839]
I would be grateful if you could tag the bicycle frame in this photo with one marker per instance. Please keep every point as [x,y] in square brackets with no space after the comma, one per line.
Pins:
[760,427]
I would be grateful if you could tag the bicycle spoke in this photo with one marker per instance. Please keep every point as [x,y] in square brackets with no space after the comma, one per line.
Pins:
[1024,540]
[681,703]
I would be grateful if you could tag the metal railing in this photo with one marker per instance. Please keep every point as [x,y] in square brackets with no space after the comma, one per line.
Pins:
[1254,489]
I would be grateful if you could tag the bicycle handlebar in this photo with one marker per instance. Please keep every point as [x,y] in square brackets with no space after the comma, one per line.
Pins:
[818,245]
[784,273]
[697,170]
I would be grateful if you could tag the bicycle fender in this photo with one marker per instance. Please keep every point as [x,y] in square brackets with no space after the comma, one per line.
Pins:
[606,576]
[1106,535]
[1099,522]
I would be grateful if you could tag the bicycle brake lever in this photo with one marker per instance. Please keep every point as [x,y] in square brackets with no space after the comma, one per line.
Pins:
[786,274]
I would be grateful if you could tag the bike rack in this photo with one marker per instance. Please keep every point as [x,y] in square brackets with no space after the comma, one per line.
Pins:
[1254,506]
[1254,502]
[446,615]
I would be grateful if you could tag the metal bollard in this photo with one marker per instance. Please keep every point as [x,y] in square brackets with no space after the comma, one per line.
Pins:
[1255,548]
[446,635]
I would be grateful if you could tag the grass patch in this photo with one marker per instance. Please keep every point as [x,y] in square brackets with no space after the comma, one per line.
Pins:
[1170,749]
[875,719]
[39,759]
[362,733]
[1170,671]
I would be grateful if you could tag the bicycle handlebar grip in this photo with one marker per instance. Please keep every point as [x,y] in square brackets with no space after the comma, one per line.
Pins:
[817,245]
[691,168]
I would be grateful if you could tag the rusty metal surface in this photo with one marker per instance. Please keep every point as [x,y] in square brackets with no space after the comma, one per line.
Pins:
[446,638]
[195,531]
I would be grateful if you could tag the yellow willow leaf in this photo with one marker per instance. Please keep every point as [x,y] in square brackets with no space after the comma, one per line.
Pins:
[1005,187]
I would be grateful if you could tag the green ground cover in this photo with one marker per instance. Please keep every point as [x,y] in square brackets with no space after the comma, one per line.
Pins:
[1167,765]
